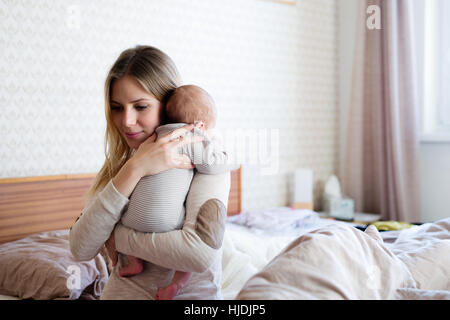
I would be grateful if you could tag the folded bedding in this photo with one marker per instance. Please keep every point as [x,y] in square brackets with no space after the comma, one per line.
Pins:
[280,221]
[341,262]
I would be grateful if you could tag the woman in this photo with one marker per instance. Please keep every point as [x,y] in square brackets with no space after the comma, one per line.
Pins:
[136,89]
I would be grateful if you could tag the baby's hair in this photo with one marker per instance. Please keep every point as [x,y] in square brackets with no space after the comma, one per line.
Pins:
[190,103]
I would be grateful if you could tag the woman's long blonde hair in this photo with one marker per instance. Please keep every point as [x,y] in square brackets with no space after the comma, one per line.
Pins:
[157,73]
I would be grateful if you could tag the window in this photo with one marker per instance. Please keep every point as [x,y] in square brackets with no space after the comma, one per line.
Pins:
[436,72]
[444,59]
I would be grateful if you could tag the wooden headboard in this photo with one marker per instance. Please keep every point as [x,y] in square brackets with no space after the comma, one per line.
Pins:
[36,204]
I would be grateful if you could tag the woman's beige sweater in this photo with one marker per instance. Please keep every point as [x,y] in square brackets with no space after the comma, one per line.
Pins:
[197,247]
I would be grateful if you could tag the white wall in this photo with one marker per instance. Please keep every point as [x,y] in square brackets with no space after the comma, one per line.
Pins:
[268,66]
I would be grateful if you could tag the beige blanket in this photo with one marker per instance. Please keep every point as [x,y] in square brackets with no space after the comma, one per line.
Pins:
[342,262]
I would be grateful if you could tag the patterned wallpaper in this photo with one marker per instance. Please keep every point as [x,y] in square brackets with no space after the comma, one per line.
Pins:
[271,68]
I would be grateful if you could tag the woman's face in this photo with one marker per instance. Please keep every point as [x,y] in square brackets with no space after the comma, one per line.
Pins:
[134,111]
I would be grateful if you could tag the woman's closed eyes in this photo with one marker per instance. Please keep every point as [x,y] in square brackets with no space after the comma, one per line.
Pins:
[120,108]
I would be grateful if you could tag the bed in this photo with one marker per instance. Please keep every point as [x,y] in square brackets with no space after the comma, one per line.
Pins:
[36,214]
[335,260]
[278,253]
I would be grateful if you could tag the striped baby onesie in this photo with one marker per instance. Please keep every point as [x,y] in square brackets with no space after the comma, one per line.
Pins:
[157,202]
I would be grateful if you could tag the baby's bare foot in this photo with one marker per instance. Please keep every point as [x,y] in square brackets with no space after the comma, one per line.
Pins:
[167,293]
[131,270]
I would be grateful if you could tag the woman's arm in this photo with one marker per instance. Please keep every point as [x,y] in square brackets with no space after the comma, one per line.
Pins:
[96,222]
[103,211]
[195,247]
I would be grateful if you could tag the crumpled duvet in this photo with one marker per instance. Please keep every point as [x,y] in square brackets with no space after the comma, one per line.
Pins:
[342,262]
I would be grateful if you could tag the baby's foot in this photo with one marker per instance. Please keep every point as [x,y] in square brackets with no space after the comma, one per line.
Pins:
[131,270]
[167,293]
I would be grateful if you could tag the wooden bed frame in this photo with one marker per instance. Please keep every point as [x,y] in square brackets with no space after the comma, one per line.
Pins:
[36,204]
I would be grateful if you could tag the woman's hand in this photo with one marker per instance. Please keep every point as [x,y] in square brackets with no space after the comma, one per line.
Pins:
[154,156]
[110,245]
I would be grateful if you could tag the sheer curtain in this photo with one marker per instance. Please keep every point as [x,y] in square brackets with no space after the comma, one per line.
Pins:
[380,168]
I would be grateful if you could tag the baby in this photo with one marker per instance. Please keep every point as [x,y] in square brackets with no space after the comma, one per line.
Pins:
[157,202]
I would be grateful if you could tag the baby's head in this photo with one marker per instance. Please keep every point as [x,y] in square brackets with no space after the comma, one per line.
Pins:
[191,103]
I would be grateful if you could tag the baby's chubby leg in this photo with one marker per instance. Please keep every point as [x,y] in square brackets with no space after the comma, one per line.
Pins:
[134,266]
[179,280]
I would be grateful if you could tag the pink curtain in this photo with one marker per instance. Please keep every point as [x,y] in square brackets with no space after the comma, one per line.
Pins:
[380,170]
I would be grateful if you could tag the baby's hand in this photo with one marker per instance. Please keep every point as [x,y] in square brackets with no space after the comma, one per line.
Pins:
[208,132]
[199,125]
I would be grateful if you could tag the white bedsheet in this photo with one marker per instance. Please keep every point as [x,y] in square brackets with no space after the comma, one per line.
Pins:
[244,254]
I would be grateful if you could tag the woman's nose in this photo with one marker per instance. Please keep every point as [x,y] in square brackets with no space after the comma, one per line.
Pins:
[129,118]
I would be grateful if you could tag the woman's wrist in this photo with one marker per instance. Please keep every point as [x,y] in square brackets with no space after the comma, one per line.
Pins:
[132,167]
[127,178]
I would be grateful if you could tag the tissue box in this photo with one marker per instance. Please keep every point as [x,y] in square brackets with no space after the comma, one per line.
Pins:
[339,208]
